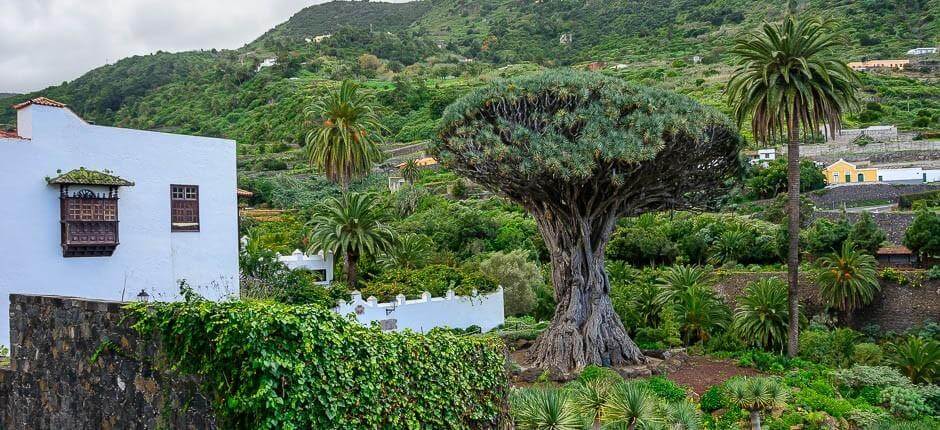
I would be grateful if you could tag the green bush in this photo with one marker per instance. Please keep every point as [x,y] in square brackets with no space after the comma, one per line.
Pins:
[594,372]
[906,201]
[814,400]
[832,348]
[867,354]
[518,276]
[254,361]
[905,402]
[713,399]
[859,376]
[665,388]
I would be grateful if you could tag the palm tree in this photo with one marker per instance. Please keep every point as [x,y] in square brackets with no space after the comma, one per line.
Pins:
[757,395]
[762,315]
[410,170]
[847,279]
[344,143]
[631,405]
[789,83]
[700,313]
[412,251]
[589,398]
[544,409]
[917,358]
[352,226]
[677,279]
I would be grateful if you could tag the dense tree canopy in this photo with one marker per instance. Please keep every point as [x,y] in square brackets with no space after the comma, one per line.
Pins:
[578,150]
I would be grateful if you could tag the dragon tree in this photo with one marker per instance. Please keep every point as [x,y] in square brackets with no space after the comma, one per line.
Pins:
[578,151]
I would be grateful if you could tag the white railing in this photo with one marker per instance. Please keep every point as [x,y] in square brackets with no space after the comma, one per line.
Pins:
[426,313]
[321,261]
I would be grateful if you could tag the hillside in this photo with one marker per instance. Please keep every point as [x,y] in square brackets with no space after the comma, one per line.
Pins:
[418,57]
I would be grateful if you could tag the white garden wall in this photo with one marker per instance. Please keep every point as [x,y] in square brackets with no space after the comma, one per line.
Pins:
[319,262]
[149,255]
[426,313]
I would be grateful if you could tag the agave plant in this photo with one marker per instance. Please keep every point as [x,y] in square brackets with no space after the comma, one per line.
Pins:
[762,317]
[544,409]
[631,406]
[847,279]
[917,358]
[683,416]
[757,395]
[589,398]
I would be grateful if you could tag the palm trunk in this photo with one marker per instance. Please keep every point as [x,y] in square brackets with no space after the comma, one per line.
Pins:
[597,424]
[350,263]
[793,228]
[755,420]
[585,329]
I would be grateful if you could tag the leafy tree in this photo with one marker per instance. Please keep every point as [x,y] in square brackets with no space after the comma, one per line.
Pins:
[847,279]
[756,395]
[641,246]
[410,170]
[762,315]
[518,276]
[923,236]
[826,236]
[787,81]
[631,406]
[351,225]
[766,182]
[344,143]
[866,235]
[578,150]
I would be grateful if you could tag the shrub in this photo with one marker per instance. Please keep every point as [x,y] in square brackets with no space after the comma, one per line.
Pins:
[518,276]
[593,372]
[867,354]
[866,234]
[665,388]
[934,272]
[253,359]
[832,348]
[817,401]
[917,358]
[538,408]
[905,402]
[906,201]
[713,399]
[923,236]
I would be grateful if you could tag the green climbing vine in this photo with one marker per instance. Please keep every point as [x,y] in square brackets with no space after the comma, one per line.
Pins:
[273,366]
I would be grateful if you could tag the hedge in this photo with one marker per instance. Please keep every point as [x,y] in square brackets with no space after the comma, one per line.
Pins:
[906,201]
[273,366]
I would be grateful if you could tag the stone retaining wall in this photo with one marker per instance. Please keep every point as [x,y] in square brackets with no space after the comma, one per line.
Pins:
[833,198]
[896,307]
[56,382]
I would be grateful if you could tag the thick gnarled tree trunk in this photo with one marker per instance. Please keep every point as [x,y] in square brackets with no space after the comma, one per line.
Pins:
[585,329]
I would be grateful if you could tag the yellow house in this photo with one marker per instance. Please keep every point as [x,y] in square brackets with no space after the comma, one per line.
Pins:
[842,172]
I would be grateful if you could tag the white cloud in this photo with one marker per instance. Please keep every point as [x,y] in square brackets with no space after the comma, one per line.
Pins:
[45,42]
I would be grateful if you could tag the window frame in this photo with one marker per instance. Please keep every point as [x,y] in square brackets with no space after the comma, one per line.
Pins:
[190,195]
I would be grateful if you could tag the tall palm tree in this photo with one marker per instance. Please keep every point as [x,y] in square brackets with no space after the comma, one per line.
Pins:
[847,279]
[352,226]
[789,84]
[757,395]
[344,143]
[410,170]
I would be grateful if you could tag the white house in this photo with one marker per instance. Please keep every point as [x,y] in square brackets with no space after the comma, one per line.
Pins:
[762,156]
[321,262]
[908,175]
[922,51]
[105,213]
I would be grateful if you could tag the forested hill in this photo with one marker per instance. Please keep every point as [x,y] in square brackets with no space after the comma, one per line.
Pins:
[439,48]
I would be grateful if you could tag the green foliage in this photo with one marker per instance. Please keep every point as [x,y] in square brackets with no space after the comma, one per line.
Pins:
[923,236]
[542,408]
[701,314]
[825,236]
[631,404]
[905,402]
[410,251]
[593,372]
[435,278]
[832,348]
[762,316]
[866,235]
[867,354]
[518,276]
[713,399]
[907,201]
[917,358]
[768,182]
[253,360]
[666,389]
[847,279]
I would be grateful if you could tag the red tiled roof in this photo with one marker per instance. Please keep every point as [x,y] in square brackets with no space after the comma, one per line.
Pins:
[8,135]
[243,193]
[42,101]
[894,250]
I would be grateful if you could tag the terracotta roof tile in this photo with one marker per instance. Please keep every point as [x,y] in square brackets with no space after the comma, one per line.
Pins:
[894,250]
[9,135]
[42,101]
[243,193]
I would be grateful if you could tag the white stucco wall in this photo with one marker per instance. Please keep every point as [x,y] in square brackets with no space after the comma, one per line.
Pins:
[319,262]
[903,174]
[149,255]
[426,313]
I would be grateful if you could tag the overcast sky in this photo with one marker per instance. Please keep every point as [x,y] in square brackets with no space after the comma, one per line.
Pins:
[45,42]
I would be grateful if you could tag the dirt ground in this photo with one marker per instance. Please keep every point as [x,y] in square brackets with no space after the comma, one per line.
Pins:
[700,373]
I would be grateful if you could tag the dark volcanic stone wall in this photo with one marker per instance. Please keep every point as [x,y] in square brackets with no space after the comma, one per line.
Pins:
[896,307]
[54,382]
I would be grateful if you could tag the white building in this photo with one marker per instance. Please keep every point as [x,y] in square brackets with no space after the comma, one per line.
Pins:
[763,156]
[426,313]
[104,212]
[922,51]
[908,175]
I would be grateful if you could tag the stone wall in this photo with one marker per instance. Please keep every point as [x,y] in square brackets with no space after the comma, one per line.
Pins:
[896,307]
[60,377]
[833,198]
[894,224]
